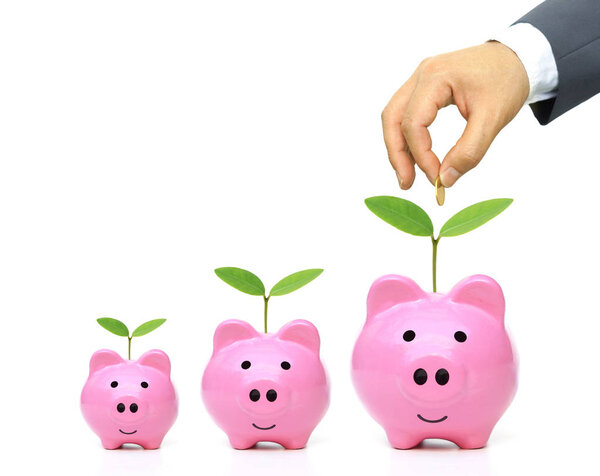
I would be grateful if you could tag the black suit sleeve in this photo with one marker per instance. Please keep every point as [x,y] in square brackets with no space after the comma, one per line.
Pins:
[572,28]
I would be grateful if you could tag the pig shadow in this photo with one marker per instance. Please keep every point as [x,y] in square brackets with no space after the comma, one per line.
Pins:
[131,460]
[435,456]
[279,461]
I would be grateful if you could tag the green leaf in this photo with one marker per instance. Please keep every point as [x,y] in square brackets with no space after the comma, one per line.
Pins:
[474,216]
[242,280]
[294,281]
[402,214]
[147,327]
[114,325]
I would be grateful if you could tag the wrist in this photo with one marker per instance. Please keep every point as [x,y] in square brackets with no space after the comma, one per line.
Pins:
[511,69]
[535,54]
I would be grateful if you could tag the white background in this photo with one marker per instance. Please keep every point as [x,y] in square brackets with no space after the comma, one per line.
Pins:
[143,144]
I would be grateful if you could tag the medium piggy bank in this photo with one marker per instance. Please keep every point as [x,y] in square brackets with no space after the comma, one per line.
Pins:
[430,365]
[266,387]
[129,401]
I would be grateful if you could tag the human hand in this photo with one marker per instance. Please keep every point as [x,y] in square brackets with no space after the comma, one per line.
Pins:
[487,83]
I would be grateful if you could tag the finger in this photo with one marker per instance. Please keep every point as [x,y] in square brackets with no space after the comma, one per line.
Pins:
[421,111]
[400,157]
[395,144]
[412,167]
[405,169]
[469,149]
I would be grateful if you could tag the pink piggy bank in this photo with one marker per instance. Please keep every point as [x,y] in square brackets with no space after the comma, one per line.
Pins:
[266,387]
[429,365]
[129,401]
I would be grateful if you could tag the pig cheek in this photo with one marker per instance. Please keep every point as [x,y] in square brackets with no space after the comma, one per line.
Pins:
[223,383]
[402,369]
[96,399]
[306,380]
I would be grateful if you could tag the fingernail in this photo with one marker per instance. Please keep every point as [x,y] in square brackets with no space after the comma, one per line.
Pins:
[449,177]
[399,180]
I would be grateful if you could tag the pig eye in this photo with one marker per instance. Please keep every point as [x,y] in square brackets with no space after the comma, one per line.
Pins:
[114,384]
[460,336]
[144,384]
[246,364]
[408,336]
[285,365]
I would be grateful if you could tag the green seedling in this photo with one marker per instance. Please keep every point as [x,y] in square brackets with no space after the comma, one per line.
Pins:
[410,218]
[118,328]
[249,283]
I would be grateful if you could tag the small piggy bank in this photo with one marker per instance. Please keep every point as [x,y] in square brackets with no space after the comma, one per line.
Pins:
[129,401]
[266,387]
[430,365]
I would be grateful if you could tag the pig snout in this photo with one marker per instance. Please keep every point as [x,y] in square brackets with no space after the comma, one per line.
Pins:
[433,379]
[127,409]
[263,397]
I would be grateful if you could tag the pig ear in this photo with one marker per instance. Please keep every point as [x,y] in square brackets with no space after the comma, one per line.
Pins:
[390,290]
[232,331]
[156,359]
[482,292]
[302,332]
[104,358]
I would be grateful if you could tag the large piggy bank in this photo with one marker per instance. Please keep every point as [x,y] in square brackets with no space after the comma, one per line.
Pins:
[129,401]
[430,365]
[266,387]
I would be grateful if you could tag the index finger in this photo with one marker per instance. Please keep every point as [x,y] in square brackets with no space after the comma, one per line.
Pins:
[426,101]
[391,119]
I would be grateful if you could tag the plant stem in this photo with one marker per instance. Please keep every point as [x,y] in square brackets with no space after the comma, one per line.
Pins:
[435,243]
[129,347]
[266,298]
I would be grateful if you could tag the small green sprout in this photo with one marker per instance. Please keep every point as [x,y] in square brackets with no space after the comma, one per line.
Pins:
[249,283]
[118,328]
[410,218]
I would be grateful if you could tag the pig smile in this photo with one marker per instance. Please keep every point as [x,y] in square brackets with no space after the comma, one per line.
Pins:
[431,421]
[130,433]
[260,428]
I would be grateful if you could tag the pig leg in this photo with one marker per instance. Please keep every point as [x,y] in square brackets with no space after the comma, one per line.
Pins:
[111,444]
[401,440]
[151,444]
[240,442]
[295,443]
[474,440]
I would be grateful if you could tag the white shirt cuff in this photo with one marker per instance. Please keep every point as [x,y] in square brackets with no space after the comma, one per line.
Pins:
[535,52]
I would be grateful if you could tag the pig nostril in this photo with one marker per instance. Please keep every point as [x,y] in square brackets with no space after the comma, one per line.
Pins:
[254,395]
[420,376]
[460,336]
[271,395]
[442,376]
[120,407]
[133,407]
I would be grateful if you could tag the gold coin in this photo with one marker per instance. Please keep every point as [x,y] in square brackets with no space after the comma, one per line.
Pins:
[440,191]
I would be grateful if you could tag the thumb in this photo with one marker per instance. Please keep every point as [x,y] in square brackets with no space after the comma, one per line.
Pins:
[469,149]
